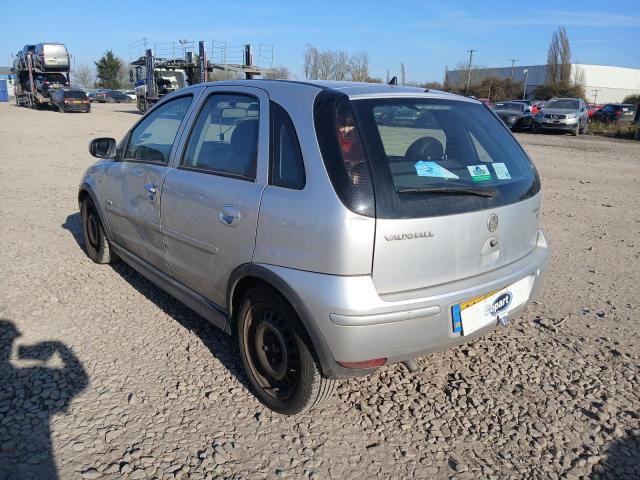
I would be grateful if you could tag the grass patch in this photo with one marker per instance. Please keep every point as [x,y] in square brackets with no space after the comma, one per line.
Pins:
[615,130]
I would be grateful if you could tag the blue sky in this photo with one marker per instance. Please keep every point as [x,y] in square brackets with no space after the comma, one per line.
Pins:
[425,35]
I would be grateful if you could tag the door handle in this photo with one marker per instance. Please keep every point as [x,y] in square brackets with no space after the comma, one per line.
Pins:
[230,215]
[151,191]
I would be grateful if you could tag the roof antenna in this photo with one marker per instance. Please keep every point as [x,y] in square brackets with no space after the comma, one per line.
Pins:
[393,81]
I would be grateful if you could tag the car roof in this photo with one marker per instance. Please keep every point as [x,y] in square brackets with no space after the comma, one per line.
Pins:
[71,89]
[351,89]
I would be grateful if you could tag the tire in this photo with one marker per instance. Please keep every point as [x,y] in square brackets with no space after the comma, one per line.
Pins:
[284,371]
[96,243]
[534,127]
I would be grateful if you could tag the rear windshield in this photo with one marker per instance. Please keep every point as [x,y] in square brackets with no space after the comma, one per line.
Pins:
[74,94]
[563,104]
[509,106]
[437,157]
[55,50]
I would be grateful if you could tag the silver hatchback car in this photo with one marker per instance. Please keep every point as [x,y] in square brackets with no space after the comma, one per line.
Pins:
[332,227]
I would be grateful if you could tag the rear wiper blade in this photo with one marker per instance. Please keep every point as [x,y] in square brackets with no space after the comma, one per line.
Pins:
[480,192]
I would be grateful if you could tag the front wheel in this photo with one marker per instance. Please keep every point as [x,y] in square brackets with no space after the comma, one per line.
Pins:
[277,356]
[95,241]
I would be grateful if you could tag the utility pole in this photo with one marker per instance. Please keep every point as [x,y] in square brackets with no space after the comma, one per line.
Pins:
[526,76]
[513,61]
[466,91]
[489,94]
[595,95]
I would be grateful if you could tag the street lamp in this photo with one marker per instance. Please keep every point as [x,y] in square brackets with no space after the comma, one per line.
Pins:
[526,76]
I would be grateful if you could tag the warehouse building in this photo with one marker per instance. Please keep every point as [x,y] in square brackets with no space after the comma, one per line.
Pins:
[6,84]
[602,84]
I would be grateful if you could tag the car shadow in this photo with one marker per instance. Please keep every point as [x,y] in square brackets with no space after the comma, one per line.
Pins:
[29,397]
[622,459]
[74,226]
[135,112]
[222,346]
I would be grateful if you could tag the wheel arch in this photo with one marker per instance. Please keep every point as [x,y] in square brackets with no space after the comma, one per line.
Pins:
[85,191]
[248,275]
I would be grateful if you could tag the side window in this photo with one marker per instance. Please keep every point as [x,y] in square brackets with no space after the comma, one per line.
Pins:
[151,140]
[287,167]
[224,138]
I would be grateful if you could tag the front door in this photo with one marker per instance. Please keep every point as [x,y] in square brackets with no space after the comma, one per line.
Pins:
[134,183]
[210,202]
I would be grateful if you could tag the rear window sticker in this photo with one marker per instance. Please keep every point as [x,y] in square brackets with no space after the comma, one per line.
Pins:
[432,169]
[502,172]
[479,173]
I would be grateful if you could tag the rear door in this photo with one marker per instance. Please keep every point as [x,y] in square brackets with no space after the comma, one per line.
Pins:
[133,185]
[210,201]
[456,196]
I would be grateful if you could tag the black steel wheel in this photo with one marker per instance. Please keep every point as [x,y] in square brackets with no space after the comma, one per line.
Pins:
[96,243]
[277,355]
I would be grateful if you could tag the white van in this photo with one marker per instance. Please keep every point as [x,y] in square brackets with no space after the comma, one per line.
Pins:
[51,57]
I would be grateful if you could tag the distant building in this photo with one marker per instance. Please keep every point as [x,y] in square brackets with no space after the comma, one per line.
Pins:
[5,74]
[602,83]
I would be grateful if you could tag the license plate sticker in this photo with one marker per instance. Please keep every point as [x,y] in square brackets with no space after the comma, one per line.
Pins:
[478,312]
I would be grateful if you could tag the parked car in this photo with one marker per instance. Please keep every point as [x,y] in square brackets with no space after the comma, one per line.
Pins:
[592,108]
[130,93]
[90,93]
[70,100]
[51,56]
[515,115]
[562,114]
[49,82]
[111,96]
[261,216]
[615,112]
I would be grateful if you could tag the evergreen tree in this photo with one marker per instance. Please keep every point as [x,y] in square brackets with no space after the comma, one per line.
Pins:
[108,68]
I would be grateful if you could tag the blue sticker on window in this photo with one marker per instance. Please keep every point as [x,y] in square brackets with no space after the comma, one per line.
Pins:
[457,321]
[432,169]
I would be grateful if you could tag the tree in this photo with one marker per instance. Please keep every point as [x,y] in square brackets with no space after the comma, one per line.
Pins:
[633,99]
[403,74]
[123,74]
[559,58]
[335,65]
[108,68]
[83,75]
[359,64]
[278,73]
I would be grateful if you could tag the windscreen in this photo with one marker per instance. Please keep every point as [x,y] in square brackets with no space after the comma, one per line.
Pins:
[562,104]
[519,107]
[75,94]
[436,157]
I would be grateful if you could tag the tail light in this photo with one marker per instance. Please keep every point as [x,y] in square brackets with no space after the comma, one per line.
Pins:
[66,100]
[343,153]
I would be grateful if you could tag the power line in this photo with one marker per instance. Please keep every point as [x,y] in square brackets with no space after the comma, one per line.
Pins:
[513,61]
[466,91]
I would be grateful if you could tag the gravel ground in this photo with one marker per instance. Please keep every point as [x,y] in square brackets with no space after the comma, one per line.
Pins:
[112,378]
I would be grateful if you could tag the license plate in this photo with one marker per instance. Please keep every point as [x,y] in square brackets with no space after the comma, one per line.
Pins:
[478,312]
[76,102]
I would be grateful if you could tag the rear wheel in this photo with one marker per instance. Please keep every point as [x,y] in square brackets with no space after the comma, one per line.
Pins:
[95,241]
[277,355]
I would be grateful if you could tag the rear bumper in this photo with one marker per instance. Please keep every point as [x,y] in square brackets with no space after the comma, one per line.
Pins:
[358,325]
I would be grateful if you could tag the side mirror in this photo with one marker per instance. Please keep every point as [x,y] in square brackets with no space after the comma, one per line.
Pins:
[103,147]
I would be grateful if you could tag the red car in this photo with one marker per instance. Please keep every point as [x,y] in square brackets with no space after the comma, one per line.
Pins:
[592,108]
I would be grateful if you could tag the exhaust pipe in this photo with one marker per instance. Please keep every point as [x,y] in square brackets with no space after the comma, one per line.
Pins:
[411,365]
